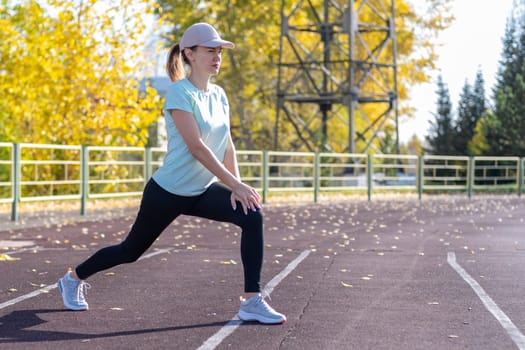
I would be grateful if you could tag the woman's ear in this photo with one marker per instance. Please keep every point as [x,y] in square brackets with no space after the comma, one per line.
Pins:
[189,54]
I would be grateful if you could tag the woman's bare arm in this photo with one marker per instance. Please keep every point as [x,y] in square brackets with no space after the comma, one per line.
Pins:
[247,196]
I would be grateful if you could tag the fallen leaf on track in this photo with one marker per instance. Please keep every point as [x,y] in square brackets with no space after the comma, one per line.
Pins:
[5,257]
[41,285]
[230,262]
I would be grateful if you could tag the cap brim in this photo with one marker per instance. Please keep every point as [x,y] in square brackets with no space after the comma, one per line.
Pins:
[217,43]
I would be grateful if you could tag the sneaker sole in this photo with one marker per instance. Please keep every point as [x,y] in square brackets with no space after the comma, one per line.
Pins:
[66,304]
[245,316]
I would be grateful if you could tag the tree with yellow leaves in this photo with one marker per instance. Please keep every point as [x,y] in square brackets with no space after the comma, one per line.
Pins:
[70,72]
[250,71]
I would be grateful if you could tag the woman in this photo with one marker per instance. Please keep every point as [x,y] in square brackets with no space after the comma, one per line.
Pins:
[200,153]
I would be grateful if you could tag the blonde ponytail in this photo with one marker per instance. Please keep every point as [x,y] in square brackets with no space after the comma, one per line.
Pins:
[174,64]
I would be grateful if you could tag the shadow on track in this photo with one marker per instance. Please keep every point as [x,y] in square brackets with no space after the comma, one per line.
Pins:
[14,328]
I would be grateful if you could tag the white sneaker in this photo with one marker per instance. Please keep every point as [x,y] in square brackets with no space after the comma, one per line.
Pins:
[72,292]
[257,309]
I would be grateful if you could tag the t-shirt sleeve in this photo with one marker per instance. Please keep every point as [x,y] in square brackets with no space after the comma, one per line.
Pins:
[226,105]
[177,98]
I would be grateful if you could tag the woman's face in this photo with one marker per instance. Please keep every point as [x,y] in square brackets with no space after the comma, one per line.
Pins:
[206,60]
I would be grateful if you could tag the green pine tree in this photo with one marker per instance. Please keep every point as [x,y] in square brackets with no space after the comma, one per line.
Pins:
[506,127]
[471,107]
[441,134]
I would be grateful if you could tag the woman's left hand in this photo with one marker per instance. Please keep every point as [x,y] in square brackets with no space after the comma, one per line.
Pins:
[247,196]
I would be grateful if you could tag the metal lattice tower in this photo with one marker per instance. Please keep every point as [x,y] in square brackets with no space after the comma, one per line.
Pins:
[337,59]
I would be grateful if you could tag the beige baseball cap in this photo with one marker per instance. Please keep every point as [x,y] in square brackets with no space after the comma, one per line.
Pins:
[203,34]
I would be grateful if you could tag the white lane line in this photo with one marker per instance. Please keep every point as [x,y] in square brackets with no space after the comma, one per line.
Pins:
[232,325]
[157,252]
[23,250]
[514,333]
[35,249]
[47,288]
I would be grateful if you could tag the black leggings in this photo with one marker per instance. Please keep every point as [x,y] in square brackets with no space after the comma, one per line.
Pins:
[159,208]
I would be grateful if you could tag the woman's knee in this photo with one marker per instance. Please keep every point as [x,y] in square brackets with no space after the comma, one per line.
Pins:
[129,255]
[253,219]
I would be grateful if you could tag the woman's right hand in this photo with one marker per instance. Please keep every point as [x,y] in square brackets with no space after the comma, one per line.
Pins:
[247,196]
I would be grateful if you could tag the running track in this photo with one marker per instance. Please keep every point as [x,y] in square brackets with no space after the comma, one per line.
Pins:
[444,273]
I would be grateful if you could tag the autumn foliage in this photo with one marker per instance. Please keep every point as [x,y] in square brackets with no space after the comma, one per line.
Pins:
[70,72]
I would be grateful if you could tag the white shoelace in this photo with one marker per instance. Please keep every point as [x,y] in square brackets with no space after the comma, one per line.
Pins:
[266,306]
[81,290]
[265,294]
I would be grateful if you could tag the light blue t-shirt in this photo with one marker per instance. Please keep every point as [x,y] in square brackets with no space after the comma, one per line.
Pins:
[181,173]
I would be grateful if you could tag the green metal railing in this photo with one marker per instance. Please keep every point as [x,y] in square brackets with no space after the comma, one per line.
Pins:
[35,172]
[6,172]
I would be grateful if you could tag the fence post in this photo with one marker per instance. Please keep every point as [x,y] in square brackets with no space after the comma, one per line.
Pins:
[316,177]
[420,174]
[265,172]
[369,176]
[16,181]
[470,175]
[147,166]
[520,176]
[84,186]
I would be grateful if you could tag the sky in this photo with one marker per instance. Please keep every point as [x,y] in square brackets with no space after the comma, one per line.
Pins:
[473,41]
